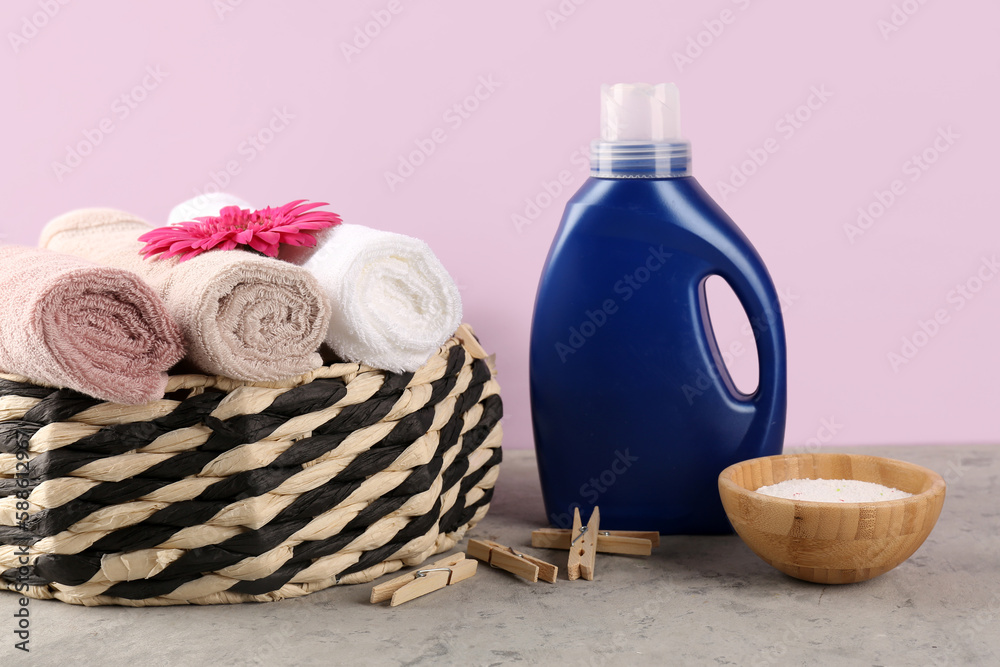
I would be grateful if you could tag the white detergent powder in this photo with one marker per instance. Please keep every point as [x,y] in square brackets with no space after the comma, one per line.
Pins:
[832,491]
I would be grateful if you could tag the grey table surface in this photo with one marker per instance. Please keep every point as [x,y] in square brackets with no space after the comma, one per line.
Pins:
[697,600]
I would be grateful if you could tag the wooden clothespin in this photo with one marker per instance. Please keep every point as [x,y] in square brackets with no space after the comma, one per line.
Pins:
[583,546]
[511,560]
[627,542]
[580,539]
[435,576]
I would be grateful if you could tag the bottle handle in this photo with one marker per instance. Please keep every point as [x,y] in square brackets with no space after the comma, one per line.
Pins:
[752,284]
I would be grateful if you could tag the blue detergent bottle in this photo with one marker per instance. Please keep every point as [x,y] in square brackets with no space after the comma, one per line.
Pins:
[632,406]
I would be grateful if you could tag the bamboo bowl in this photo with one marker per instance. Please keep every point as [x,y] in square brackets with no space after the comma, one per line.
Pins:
[831,543]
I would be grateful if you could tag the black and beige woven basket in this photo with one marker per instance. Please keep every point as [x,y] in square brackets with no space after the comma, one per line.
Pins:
[228,491]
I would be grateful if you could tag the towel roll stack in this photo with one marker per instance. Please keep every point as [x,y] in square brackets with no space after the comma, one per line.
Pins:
[243,316]
[393,302]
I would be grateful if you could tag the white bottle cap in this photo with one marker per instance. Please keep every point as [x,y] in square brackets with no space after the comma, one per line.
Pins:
[640,112]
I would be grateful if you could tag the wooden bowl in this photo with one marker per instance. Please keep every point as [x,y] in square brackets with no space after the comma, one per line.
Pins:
[831,543]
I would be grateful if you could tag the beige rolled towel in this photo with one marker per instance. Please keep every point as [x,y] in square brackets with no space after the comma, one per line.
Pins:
[243,315]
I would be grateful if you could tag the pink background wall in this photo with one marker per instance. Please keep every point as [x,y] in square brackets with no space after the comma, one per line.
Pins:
[895,75]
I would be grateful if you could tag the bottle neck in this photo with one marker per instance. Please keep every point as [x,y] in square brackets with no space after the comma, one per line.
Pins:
[640,159]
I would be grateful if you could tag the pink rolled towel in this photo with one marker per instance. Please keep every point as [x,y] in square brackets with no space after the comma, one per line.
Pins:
[243,315]
[68,323]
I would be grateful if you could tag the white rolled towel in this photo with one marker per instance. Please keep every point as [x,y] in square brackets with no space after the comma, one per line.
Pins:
[209,203]
[393,302]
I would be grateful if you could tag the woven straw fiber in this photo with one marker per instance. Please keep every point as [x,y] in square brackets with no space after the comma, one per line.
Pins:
[228,491]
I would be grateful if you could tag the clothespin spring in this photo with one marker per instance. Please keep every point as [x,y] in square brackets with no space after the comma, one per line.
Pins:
[419,574]
[510,560]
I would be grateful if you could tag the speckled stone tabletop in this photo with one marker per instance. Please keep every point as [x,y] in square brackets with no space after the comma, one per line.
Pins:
[697,600]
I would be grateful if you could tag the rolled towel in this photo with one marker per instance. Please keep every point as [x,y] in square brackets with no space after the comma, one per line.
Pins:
[67,322]
[393,301]
[209,203]
[243,315]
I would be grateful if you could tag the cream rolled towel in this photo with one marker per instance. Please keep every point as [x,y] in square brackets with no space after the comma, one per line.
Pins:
[243,315]
[67,322]
[393,301]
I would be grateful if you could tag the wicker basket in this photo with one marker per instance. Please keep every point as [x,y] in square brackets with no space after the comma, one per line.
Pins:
[227,491]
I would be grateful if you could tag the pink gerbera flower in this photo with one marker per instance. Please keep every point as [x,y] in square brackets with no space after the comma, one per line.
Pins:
[264,230]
